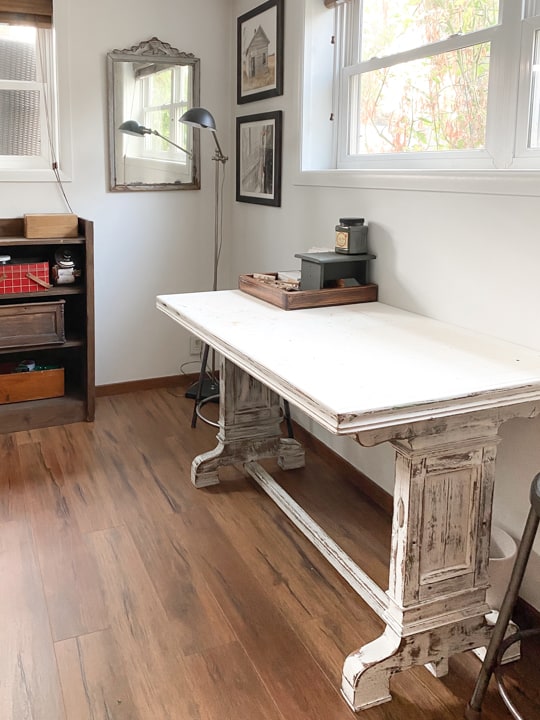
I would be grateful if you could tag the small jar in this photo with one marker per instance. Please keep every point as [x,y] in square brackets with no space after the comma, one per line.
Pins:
[65,270]
[351,236]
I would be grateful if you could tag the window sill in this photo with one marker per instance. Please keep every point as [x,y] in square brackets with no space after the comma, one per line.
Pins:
[34,175]
[524,183]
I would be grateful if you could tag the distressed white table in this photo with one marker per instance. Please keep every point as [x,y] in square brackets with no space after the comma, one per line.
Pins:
[436,392]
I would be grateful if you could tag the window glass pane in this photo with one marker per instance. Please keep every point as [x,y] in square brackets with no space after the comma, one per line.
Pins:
[159,120]
[391,26]
[17,53]
[165,99]
[532,8]
[437,103]
[19,129]
[19,108]
[534,122]
[160,88]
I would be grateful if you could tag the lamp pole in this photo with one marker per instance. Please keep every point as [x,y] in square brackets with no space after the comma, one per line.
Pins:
[220,159]
[201,118]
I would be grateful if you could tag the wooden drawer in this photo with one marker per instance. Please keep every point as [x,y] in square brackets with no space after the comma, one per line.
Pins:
[34,385]
[28,324]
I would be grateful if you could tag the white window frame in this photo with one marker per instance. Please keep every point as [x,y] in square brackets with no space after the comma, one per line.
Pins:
[510,170]
[526,157]
[40,169]
[177,107]
[40,85]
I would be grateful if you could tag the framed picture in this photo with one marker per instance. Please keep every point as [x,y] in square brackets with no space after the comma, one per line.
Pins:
[259,64]
[258,158]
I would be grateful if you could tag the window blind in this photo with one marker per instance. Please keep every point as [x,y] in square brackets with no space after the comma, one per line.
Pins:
[27,12]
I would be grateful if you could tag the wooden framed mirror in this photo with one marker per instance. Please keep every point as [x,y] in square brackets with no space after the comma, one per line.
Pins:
[150,86]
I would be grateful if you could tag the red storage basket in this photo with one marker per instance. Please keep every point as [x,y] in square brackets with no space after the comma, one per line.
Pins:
[24,277]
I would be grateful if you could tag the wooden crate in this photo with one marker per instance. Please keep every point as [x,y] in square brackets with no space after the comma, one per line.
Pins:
[34,385]
[24,324]
[51,225]
[301,299]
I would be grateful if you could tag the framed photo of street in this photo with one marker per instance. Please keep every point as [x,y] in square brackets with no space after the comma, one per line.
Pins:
[258,158]
[259,64]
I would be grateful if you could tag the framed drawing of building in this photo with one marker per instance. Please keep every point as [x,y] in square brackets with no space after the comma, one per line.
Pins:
[258,158]
[259,66]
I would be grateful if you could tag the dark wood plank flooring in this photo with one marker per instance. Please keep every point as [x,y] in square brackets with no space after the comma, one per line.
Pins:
[127,594]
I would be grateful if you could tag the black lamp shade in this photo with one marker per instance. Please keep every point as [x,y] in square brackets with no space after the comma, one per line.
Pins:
[199,117]
[132,127]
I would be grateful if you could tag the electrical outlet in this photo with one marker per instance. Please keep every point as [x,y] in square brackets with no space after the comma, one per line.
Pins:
[195,346]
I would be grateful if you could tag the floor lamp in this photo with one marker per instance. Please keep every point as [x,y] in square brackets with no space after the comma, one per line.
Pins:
[208,387]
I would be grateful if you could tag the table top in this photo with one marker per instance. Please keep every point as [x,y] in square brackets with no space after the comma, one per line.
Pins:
[362,366]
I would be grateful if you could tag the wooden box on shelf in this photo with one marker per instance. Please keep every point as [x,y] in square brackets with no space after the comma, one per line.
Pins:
[35,385]
[24,324]
[51,225]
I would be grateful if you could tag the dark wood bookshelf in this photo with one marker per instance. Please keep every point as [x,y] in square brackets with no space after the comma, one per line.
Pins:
[76,355]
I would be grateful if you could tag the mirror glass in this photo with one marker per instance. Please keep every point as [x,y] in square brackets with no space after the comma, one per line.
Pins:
[151,85]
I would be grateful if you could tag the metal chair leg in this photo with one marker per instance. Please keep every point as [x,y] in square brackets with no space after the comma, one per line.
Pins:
[497,647]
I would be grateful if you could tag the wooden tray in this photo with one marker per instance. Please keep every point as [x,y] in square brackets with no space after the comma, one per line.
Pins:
[299,299]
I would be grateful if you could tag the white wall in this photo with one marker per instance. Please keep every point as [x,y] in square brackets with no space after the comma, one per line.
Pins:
[146,242]
[469,259]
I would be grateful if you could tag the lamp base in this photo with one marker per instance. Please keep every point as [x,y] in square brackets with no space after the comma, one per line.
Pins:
[209,388]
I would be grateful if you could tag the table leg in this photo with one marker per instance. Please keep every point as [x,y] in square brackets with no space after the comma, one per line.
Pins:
[438,569]
[250,416]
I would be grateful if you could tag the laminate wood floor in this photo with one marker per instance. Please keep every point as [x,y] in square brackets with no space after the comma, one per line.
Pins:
[127,594]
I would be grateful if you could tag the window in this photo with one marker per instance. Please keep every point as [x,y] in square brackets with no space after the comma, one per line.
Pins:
[29,121]
[164,97]
[435,84]
[23,132]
